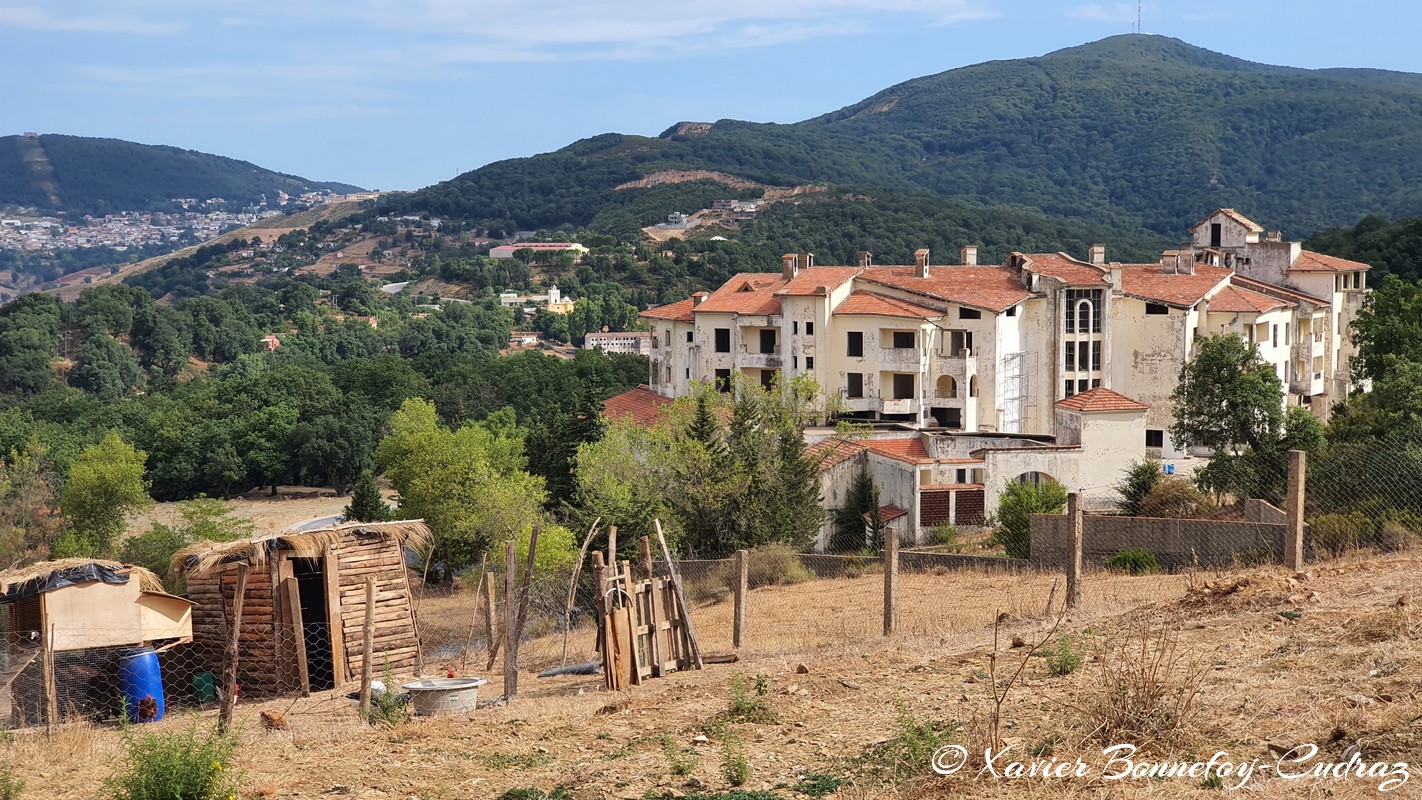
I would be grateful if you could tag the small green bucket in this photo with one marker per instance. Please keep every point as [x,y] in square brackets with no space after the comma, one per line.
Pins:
[205,687]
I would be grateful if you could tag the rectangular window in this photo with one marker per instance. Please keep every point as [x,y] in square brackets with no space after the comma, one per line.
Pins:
[794,362]
[1287,339]
[1357,280]
[854,384]
[1250,338]
[767,377]
[723,380]
[668,337]
[856,344]
[1157,308]
[1275,339]
[1155,438]
[969,313]
[723,340]
[903,340]
[767,340]
[809,362]
[958,341]
[1216,234]
[794,328]
[903,386]
[1096,355]
[689,340]
[1083,385]
[1069,352]
[1070,388]
[688,373]
[962,476]
[1011,312]
[1083,310]
[809,329]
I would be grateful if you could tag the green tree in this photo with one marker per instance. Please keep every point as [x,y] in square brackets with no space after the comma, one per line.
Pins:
[1388,329]
[859,512]
[1012,523]
[366,503]
[1136,483]
[204,519]
[105,367]
[105,483]
[1227,397]
[30,522]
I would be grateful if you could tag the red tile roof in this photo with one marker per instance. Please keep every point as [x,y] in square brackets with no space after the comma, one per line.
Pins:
[810,282]
[1274,290]
[746,293]
[1248,223]
[910,450]
[680,311]
[1151,282]
[1238,300]
[885,306]
[1101,399]
[1065,269]
[993,288]
[642,405]
[889,513]
[832,452]
[1309,261]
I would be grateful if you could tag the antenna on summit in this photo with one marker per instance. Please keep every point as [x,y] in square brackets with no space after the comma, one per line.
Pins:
[1138,16]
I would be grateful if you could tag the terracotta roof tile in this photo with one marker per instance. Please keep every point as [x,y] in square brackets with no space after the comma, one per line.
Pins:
[642,405]
[1248,223]
[1150,282]
[993,288]
[810,281]
[861,302]
[832,452]
[889,513]
[1101,399]
[746,293]
[910,450]
[680,311]
[1237,300]
[1065,269]
[1274,290]
[1309,261]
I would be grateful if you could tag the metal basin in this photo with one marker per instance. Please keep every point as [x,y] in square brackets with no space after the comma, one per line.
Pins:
[434,696]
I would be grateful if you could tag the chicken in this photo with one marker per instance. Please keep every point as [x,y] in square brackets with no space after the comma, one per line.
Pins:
[147,709]
[274,721]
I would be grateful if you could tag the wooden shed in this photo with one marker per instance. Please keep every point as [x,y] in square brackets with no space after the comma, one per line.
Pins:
[64,622]
[303,613]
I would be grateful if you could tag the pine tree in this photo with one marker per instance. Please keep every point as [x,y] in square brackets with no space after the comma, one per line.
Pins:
[798,492]
[705,429]
[366,503]
[849,519]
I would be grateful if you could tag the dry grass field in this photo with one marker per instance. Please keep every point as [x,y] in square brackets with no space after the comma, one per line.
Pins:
[1266,659]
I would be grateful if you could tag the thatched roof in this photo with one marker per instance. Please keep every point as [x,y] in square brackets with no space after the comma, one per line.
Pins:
[205,557]
[13,579]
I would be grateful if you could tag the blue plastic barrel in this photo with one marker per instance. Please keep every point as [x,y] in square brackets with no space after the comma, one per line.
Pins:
[140,680]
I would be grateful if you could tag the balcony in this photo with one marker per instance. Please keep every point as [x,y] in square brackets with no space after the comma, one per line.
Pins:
[865,402]
[751,356]
[960,367]
[901,356]
[908,405]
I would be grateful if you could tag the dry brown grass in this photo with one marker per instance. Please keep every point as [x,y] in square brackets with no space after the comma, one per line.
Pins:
[1266,680]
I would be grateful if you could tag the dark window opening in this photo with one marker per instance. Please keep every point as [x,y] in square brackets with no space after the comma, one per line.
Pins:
[856,343]
[809,329]
[969,313]
[1157,308]
[723,340]
[854,384]
[767,340]
[1011,312]
[809,362]
[1216,234]
[903,386]
[723,380]
[310,577]
[1155,438]
[903,340]
[794,328]
[958,341]
[688,337]
[767,377]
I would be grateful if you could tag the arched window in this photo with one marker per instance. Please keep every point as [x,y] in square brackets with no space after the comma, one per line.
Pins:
[973,386]
[947,387]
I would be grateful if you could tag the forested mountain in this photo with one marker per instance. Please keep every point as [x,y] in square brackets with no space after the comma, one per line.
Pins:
[80,175]
[1132,133]
[1392,248]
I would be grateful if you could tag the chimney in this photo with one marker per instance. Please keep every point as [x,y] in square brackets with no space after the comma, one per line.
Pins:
[920,262]
[698,297]
[865,260]
[1187,259]
[970,255]
[1096,254]
[790,265]
[807,260]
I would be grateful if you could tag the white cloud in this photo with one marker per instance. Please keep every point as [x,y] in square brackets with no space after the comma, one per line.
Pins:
[38,19]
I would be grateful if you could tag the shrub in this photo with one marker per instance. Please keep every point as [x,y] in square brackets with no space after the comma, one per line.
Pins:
[1174,498]
[10,787]
[679,760]
[1016,505]
[735,767]
[387,708]
[1134,562]
[775,565]
[184,764]
[1337,533]
[909,752]
[1146,689]
[946,535]
[1064,657]
[745,707]
[1140,478]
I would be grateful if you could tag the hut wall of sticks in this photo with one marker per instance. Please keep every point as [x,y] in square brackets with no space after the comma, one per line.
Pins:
[303,608]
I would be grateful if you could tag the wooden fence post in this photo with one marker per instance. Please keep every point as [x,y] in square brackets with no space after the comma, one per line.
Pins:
[51,685]
[229,665]
[1294,533]
[367,650]
[742,587]
[646,546]
[685,607]
[1073,571]
[510,623]
[891,580]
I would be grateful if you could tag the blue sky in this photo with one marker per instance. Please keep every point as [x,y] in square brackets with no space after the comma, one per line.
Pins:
[404,93]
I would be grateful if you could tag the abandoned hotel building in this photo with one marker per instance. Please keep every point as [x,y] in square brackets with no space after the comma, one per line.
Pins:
[1046,364]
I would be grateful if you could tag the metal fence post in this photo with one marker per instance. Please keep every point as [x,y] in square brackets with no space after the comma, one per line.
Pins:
[1294,533]
[742,586]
